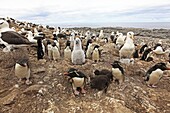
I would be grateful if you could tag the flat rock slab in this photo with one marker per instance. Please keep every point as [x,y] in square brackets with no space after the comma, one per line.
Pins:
[34,89]
[9,98]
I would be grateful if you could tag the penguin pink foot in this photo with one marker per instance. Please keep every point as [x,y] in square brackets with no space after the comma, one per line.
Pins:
[83,91]
[77,80]
[76,92]
[28,82]
[20,80]
[152,86]
[149,85]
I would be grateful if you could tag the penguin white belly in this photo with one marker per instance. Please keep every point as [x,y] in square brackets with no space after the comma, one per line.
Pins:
[43,47]
[78,82]
[67,54]
[95,55]
[49,51]
[158,50]
[84,41]
[58,45]
[22,72]
[56,53]
[168,71]
[120,40]
[89,51]
[117,73]
[71,44]
[155,77]
[78,57]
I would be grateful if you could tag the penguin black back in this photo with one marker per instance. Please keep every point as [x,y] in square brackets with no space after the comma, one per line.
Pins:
[72,72]
[157,45]
[88,42]
[143,48]
[106,40]
[100,83]
[68,43]
[23,62]
[40,52]
[162,66]
[116,64]
[104,72]
[112,38]
[146,52]
[135,54]
[97,46]
[2,46]
[48,42]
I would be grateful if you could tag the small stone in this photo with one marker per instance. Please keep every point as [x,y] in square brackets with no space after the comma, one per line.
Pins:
[16,86]
[39,70]
[34,89]
[168,104]
[46,78]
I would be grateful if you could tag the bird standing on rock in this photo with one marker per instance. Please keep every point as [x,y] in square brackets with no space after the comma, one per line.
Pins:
[128,48]
[118,72]
[40,52]
[67,51]
[104,72]
[77,56]
[147,55]
[155,73]
[120,40]
[142,49]
[159,51]
[55,52]
[77,79]
[49,49]
[72,40]
[22,70]
[102,81]
[95,55]
[101,35]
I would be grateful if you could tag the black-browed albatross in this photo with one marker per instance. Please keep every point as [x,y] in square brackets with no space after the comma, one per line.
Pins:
[10,38]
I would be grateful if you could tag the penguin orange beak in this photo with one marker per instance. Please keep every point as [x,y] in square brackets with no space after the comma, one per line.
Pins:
[167,68]
[66,73]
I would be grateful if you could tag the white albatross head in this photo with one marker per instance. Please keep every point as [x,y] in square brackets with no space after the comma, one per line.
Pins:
[4,26]
[130,35]
[77,44]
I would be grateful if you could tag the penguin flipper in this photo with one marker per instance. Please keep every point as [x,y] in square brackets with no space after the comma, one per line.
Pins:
[146,78]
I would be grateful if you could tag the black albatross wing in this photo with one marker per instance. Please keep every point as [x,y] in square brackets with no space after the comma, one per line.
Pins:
[12,37]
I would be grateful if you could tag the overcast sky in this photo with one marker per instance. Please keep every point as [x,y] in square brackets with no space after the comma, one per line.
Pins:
[86,11]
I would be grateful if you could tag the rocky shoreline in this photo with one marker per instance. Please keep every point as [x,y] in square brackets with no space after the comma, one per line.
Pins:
[154,33]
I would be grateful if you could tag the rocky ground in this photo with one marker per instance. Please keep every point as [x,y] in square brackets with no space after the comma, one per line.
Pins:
[50,91]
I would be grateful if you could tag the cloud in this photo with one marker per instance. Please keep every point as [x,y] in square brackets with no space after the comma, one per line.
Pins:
[89,11]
